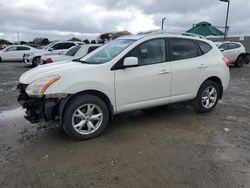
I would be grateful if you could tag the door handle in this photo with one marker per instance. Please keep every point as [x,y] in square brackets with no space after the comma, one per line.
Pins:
[163,72]
[202,66]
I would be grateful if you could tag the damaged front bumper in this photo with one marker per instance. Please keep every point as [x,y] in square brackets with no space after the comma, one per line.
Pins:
[37,108]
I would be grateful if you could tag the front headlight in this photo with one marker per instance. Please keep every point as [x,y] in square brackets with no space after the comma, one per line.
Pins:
[38,87]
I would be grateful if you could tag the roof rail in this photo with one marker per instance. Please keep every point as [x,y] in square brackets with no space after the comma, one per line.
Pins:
[167,32]
[193,35]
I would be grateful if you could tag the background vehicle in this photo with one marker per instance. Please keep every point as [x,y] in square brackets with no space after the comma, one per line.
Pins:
[74,52]
[52,49]
[35,46]
[129,73]
[15,52]
[235,52]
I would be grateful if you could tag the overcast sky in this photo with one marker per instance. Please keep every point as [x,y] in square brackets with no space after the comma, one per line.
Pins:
[62,19]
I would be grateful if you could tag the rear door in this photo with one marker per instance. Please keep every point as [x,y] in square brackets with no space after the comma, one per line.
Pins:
[227,52]
[188,68]
[234,50]
[21,50]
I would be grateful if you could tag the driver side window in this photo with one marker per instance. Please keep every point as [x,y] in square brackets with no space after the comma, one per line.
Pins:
[13,48]
[150,52]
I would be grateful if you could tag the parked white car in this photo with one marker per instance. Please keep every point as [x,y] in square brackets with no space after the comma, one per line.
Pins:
[74,52]
[129,73]
[235,52]
[55,48]
[16,52]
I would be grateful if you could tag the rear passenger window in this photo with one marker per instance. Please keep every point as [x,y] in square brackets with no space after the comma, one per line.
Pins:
[20,48]
[62,46]
[224,46]
[182,49]
[205,47]
[233,46]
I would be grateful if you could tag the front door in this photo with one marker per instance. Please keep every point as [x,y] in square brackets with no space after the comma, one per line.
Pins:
[147,84]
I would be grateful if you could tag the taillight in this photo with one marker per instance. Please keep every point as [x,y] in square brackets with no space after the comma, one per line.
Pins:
[226,61]
[49,60]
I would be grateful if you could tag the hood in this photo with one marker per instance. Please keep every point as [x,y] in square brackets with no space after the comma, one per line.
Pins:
[50,70]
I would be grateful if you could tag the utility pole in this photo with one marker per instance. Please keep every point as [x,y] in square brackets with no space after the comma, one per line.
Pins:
[226,26]
[162,23]
[17,36]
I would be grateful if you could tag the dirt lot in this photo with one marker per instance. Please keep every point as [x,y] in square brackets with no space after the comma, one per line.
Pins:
[169,146]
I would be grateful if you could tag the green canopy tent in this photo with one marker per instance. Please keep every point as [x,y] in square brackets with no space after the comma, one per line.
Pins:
[205,29]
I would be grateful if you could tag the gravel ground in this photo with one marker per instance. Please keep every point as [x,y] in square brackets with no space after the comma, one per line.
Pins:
[169,146]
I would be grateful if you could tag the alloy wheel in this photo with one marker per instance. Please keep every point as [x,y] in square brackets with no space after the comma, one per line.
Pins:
[209,97]
[87,119]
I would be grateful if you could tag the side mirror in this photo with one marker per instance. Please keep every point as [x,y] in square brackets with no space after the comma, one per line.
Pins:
[222,49]
[130,62]
[51,49]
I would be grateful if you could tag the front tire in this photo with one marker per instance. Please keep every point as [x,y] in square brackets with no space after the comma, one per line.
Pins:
[85,117]
[207,97]
[36,61]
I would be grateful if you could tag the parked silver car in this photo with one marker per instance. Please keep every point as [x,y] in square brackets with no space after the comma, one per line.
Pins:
[52,49]
[74,52]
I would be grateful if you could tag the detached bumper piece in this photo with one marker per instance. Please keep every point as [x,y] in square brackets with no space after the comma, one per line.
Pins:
[37,108]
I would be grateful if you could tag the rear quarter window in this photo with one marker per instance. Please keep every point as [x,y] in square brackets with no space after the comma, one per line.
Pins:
[205,47]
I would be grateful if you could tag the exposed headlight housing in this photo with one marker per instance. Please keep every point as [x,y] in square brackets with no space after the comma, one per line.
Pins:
[38,87]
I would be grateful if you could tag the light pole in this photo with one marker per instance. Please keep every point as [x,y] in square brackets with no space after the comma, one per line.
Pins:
[162,23]
[226,26]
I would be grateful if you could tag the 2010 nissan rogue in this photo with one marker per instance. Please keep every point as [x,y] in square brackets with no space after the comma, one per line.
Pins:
[129,73]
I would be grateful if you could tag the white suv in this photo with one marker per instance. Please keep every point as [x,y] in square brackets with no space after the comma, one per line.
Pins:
[235,52]
[129,73]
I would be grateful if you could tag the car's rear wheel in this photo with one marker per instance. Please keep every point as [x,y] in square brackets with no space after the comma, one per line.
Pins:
[207,97]
[36,61]
[0,59]
[85,117]
[240,61]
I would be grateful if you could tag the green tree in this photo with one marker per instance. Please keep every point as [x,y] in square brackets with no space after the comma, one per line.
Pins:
[45,41]
[86,41]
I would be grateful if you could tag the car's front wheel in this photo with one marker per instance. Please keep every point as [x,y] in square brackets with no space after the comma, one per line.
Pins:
[85,117]
[36,61]
[207,97]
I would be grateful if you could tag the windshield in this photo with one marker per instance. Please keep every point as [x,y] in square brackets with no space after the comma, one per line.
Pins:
[48,46]
[72,51]
[108,51]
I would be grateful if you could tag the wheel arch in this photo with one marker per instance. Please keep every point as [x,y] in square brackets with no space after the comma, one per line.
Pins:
[96,93]
[218,81]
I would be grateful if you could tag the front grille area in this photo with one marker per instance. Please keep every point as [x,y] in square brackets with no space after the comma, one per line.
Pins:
[33,106]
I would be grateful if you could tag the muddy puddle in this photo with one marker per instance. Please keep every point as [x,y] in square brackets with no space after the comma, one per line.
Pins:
[10,117]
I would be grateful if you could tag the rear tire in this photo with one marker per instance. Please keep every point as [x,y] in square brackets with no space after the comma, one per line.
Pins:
[85,117]
[207,97]
[240,61]
[1,60]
